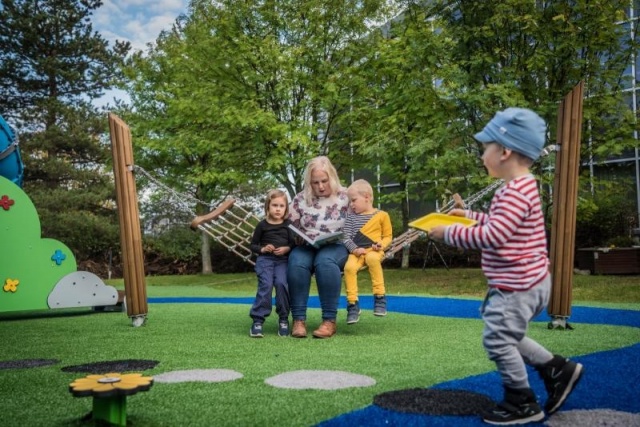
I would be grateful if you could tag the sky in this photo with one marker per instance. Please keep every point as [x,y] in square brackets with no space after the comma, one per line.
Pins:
[137,21]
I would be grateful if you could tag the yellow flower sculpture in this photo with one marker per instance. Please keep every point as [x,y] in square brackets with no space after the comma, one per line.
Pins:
[109,385]
[11,285]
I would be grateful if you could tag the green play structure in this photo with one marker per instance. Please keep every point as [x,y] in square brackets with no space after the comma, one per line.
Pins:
[39,273]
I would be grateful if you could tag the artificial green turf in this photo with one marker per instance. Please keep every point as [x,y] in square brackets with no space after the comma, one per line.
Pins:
[399,351]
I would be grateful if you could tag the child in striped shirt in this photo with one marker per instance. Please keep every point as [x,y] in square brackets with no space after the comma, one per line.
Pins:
[367,231]
[515,261]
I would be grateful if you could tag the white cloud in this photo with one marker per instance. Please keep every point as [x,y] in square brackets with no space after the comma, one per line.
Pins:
[137,21]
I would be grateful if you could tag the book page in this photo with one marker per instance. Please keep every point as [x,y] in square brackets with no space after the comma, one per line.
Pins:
[321,240]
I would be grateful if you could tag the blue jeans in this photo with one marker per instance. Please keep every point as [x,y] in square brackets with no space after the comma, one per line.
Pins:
[272,273]
[327,263]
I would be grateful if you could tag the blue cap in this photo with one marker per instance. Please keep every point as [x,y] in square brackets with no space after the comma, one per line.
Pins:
[518,129]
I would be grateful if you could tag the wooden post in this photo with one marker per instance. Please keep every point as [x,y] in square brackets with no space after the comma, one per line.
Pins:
[129,217]
[565,198]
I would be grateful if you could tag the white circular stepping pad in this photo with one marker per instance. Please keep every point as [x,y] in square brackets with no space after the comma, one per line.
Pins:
[593,418]
[198,375]
[319,380]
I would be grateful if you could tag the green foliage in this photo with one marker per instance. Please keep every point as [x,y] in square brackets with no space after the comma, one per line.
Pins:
[178,243]
[51,64]
[176,249]
[240,91]
[606,216]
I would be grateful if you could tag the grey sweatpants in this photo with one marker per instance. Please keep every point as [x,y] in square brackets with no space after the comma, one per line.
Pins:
[506,316]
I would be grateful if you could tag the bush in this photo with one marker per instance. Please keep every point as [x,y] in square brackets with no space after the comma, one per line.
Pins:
[605,217]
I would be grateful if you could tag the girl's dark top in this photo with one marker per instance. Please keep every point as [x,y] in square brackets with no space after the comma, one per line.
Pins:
[276,234]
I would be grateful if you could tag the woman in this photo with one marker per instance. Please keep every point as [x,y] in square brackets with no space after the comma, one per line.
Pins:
[320,208]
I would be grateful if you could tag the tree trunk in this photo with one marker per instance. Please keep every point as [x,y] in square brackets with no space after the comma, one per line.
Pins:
[405,256]
[405,223]
[206,254]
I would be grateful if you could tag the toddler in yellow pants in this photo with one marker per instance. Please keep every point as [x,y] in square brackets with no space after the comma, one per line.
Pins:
[367,231]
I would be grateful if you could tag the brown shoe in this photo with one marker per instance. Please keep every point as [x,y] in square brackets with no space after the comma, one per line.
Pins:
[327,329]
[299,329]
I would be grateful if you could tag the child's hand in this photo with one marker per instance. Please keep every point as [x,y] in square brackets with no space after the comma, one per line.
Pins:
[267,249]
[282,250]
[458,203]
[359,251]
[377,246]
[437,232]
[457,212]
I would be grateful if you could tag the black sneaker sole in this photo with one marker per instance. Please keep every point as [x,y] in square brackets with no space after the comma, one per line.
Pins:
[575,377]
[535,417]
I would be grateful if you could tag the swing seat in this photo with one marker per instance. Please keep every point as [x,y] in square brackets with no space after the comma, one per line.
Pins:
[232,226]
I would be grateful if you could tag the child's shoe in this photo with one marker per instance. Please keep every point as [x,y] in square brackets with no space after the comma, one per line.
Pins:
[560,376]
[283,328]
[256,330]
[518,407]
[380,305]
[353,313]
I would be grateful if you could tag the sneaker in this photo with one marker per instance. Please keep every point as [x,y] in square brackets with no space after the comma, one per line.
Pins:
[353,313]
[380,306]
[299,329]
[283,328]
[560,376]
[518,407]
[256,330]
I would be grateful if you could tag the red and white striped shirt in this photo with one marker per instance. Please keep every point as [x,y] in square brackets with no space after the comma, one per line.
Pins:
[511,236]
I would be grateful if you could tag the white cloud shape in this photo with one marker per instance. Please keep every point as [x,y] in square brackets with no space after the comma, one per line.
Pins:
[81,289]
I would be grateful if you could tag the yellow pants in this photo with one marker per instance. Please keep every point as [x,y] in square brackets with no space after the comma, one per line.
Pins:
[373,260]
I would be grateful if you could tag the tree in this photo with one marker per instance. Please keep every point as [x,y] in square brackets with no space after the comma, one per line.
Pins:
[239,95]
[52,65]
[531,54]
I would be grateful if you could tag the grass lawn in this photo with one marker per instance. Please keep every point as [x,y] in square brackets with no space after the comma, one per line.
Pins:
[399,351]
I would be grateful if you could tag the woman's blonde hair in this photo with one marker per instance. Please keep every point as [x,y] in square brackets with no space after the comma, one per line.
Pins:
[275,194]
[324,164]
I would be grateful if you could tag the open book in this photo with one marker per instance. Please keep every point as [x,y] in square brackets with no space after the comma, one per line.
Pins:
[321,240]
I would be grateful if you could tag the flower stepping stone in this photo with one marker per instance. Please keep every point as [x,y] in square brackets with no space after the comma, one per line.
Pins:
[109,392]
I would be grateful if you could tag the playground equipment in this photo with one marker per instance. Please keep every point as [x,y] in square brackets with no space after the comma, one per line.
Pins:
[129,217]
[232,226]
[11,166]
[39,273]
[109,392]
[565,201]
